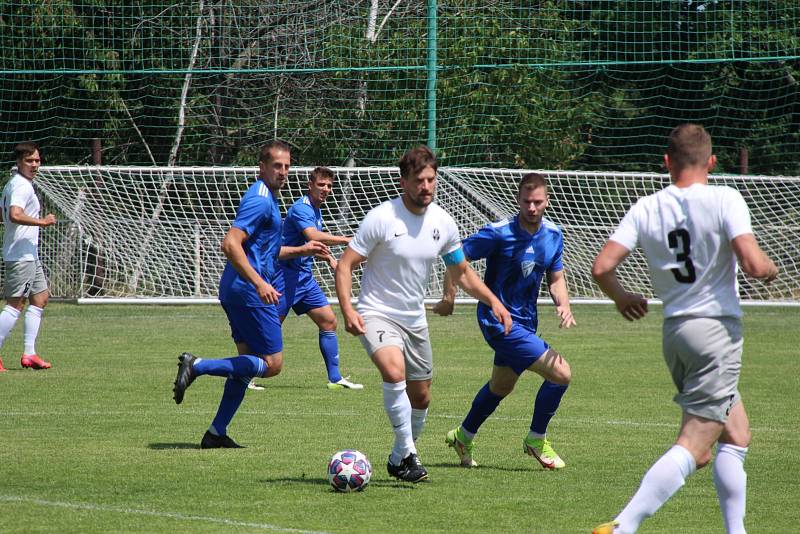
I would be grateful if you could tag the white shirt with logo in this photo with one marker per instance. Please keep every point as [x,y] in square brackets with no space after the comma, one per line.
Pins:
[401,248]
[20,242]
[686,236]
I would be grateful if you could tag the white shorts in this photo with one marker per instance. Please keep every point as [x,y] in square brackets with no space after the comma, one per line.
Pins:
[24,278]
[704,357]
[415,344]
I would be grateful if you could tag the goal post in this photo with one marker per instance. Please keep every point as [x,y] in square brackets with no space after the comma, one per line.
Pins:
[152,234]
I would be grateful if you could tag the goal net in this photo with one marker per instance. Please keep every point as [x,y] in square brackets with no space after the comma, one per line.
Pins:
[154,233]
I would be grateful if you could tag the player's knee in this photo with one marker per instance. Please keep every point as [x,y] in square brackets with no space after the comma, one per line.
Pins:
[329,325]
[421,402]
[566,374]
[16,302]
[737,437]
[418,394]
[274,364]
[562,372]
[501,389]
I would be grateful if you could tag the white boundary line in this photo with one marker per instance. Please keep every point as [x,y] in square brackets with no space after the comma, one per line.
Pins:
[561,419]
[136,511]
[332,301]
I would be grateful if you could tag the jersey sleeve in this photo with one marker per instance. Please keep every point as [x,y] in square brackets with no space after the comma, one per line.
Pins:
[20,195]
[250,214]
[736,216]
[302,216]
[370,233]
[453,241]
[481,244]
[627,233]
[557,264]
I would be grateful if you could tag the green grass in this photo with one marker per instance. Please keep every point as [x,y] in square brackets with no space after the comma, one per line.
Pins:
[96,444]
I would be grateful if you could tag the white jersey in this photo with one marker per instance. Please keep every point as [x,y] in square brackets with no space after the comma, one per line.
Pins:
[20,242]
[401,248]
[686,235]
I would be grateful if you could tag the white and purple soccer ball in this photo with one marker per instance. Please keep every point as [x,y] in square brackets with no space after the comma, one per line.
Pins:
[349,470]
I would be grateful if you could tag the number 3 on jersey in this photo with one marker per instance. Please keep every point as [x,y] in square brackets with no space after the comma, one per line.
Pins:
[690,276]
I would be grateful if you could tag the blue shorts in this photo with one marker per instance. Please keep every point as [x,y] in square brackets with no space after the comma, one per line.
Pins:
[519,349]
[299,291]
[258,327]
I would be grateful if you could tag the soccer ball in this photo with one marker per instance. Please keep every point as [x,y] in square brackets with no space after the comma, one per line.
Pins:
[349,470]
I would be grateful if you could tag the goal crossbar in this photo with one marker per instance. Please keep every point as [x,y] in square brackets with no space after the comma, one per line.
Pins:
[152,234]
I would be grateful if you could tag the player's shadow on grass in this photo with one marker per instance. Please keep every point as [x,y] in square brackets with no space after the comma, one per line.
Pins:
[324,482]
[488,467]
[295,480]
[172,446]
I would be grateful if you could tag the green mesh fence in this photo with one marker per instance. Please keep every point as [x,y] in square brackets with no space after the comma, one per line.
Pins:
[538,84]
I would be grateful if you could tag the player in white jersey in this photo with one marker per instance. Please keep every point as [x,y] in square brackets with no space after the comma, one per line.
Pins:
[402,238]
[692,234]
[24,276]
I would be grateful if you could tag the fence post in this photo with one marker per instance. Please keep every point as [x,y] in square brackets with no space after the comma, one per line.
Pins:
[431,74]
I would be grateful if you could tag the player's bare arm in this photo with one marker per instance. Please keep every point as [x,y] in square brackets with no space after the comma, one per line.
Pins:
[310,248]
[353,322]
[445,306]
[329,259]
[17,216]
[233,248]
[312,234]
[753,260]
[470,282]
[632,306]
[557,282]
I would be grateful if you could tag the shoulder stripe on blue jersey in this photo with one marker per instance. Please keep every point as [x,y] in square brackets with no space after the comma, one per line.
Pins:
[549,224]
[501,223]
[263,190]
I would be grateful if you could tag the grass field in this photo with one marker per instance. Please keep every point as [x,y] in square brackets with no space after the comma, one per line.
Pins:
[96,443]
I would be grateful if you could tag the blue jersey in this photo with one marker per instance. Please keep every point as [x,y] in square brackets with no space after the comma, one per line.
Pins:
[516,262]
[260,218]
[301,215]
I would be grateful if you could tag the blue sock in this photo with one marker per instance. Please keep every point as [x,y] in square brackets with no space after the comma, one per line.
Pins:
[547,401]
[483,406]
[329,347]
[245,366]
[232,397]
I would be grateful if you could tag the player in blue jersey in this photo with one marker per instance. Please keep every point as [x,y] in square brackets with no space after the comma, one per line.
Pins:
[519,252]
[246,292]
[295,279]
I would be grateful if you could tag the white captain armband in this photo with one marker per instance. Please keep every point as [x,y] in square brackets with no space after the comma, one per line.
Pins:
[455,257]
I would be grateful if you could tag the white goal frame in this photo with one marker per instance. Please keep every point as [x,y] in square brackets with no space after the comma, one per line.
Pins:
[152,234]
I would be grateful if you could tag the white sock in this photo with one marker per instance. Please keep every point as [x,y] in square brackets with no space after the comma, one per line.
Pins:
[417,421]
[33,320]
[398,408]
[8,318]
[731,483]
[661,481]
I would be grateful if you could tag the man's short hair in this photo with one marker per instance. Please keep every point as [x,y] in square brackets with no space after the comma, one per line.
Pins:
[319,173]
[417,159]
[532,180]
[689,145]
[276,144]
[24,149]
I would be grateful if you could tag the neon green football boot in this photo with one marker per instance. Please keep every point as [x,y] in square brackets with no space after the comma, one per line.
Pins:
[463,447]
[543,452]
